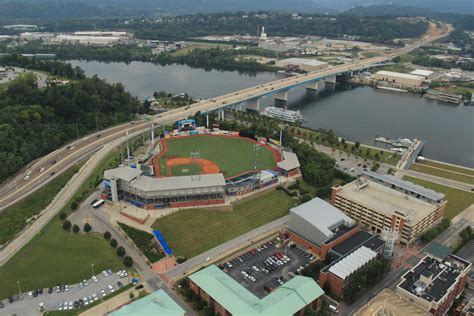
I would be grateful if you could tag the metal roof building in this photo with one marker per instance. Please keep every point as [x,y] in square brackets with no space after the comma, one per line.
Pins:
[302,63]
[157,303]
[290,161]
[287,299]
[318,221]
[353,262]
[406,187]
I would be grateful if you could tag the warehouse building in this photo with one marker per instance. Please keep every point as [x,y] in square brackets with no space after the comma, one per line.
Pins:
[433,284]
[129,184]
[156,303]
[301,64]
[381,202]
[319,226]
[228,297]
[425,74]
[353,254]
[399,79]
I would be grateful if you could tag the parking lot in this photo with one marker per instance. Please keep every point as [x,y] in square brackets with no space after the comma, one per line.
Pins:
[65,297]
[262,269]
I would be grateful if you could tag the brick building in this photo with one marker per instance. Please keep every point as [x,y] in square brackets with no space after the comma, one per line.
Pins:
[378,201]
[434,284]
[227,297]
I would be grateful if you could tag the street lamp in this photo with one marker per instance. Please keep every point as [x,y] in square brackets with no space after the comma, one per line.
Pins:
[19,288]
[92,268]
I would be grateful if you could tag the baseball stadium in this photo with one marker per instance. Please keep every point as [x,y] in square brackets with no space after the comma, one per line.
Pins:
[197,167]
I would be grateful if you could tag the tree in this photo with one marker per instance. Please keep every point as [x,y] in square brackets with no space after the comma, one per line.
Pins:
[67,225]
[87,227]
[375,167]
[357,145]
[131,295]
[128,261]
[113,243]
[75,229]
[62,216]
[74,205]
[120,251]
[107,235]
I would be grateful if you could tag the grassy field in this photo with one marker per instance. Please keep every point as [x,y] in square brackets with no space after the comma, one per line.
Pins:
[458,200]
[55,256]
[14,218]
[232,155]
[443,173]
[185,170]
[193,231]
[193,45]
[447,167]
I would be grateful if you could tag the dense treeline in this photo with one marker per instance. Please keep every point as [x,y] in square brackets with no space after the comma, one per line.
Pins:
[212,58]
[374,29]
[427,61]
[34,122]
[55,68]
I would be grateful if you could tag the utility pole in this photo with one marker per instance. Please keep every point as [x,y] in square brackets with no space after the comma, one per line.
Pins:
[92,269]
[19,288]
[116,120]
[77,131]
[96,124]
[128,147]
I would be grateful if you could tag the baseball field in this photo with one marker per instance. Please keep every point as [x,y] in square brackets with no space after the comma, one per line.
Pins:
[212,154]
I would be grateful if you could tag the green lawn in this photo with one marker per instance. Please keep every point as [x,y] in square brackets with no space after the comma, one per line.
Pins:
[14,218]
[185,170]
[193,231]
[443,173]
[458,200]
[55,256]
[232,155]
[440,165]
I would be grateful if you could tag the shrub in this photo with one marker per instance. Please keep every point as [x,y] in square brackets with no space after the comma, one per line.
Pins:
[67,225]
[75,229]
[181,259]
[128,261]
[74,205]
[107,235]
[113,243]
[87,227]
[120,251]
[62,216]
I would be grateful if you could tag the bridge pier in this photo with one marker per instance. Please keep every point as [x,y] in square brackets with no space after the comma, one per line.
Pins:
[220,115]
[254,105]
[281,98]
[331,79]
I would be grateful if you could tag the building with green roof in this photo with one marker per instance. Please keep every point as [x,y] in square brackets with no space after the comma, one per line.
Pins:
[157,303]
[231,298]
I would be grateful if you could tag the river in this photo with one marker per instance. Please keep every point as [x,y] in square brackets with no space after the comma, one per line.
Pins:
[357,114]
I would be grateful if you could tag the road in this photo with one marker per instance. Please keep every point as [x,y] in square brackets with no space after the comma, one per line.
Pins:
[226,249]
[56,162]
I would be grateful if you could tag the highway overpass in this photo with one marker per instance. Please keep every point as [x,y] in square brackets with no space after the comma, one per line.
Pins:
[48,167]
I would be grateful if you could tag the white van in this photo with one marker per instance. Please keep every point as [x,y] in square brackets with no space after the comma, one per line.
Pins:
[333,309]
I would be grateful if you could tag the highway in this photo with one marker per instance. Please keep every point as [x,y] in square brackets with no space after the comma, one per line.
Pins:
[48,167]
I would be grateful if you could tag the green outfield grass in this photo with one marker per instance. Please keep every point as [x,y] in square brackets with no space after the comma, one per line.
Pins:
[458,200]
[232,155]
[194,231]
[185,170]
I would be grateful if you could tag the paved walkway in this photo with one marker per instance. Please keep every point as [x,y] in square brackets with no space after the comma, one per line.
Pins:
[443,181]
[111,304]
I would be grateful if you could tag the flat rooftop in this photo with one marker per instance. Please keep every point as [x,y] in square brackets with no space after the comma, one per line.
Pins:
[398,74]
[303,61]
[157,303]
[361,238]
[386,200]
[431,278]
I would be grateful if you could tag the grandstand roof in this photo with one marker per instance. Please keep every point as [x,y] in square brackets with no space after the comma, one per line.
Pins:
[290,161]
[352,262]
[285,300]
[122,173]
[145,183]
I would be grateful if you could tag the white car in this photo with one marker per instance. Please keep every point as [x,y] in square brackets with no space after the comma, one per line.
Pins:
[30,294]
[244,274]
[103,293]
[95,278]
[26,177]
[86,301]
[60,307]
[42,169]
[85,282]
[255,268]
[251,278]
[94,296]
[71,305]
[105,273]
[66,288]
[208,259]
[111,288]
[28,172]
